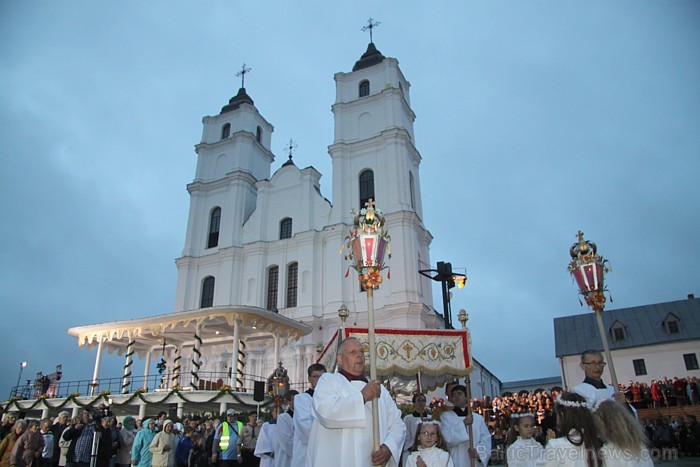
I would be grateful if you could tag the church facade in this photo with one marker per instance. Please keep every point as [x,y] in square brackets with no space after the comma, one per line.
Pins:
[271,240]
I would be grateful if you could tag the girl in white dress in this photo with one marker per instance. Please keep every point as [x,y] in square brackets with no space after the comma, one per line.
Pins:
[523,450]
[429,448]
[577,444]
[622,435]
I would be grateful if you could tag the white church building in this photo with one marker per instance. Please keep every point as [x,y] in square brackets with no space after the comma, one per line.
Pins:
[261,277]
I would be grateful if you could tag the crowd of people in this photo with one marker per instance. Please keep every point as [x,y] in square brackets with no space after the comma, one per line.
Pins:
[332,424]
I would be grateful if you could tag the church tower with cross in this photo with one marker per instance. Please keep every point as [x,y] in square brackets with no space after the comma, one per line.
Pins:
[271,240]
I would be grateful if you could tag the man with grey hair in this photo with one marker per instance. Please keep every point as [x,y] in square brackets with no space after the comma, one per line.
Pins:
[342,432]
[593,389]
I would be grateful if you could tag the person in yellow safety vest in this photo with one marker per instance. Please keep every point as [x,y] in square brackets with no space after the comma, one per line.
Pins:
[227,444]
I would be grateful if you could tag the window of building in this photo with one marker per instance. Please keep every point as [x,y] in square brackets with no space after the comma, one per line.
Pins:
[207,292]
[639,367]
[364,88]
[691,361]
[286,228]
[672,324]
[273,277]
[226,131]
[258,135]
[366,187]
[292,281]
[618,331]
[214,225]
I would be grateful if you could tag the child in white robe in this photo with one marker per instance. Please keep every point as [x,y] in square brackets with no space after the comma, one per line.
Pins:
[523,450]
[429,448]
[578,444]
[623,438]
[267,439]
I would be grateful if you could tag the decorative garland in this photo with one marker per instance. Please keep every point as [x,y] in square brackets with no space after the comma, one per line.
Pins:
[104,397]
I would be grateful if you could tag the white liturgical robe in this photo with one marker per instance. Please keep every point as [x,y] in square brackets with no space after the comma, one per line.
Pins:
[341,434]
[265,447]
[285,440]
[457,437]
[303,419]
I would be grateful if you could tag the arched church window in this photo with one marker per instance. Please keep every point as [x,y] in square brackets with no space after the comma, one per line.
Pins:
[207,292]
[366,187]
[364,88]
[286,228]
[273,276]
[226,131]
[258,135]
[292,281]
[214,224]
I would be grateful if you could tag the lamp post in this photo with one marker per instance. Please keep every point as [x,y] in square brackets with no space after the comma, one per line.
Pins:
[462,316]
[22,365]
[367,245]
[448,280]
[589,268]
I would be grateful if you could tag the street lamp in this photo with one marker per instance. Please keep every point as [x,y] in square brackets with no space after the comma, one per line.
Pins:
[21,368]
[588,269]
[367,245]
[448,280]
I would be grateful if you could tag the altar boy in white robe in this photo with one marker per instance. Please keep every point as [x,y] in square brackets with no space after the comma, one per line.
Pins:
[454,423]
[341,434]
[304,416]
[267,440]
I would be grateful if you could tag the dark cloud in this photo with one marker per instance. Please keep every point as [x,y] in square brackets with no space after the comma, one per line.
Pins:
[533,121]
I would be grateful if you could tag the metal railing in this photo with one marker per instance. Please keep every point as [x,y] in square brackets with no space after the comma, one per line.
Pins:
[208,381]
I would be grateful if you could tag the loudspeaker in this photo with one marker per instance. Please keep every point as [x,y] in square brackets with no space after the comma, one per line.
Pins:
[259,391]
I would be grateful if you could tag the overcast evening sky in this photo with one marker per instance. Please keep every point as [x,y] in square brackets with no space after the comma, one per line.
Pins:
[534,120]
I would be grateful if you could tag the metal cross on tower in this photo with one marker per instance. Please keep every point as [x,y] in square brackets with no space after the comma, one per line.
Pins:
[292,146]
[244,70]
[371,24]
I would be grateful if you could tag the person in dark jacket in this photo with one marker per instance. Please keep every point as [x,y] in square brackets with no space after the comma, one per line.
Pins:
[81,437]
[57,430]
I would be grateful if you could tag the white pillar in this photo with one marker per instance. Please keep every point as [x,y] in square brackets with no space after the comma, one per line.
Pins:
[234,355]
[142,411]
[276,355]
[44,413]
[196,359]
[96,372]
[147,369]
[126,380]
[75,412]
[176,366]
[222,408]
[240,365]
[180,409]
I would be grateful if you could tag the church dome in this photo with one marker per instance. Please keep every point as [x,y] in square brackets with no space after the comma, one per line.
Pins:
[371,57]
[236,101]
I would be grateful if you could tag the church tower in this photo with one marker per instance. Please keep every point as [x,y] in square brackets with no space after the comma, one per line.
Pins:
[374,156]
[233,155]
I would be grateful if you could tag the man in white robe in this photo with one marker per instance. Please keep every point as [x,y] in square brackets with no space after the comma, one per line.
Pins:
[454,423]
[593,389]
[304,416]
[284,445]
[341,434]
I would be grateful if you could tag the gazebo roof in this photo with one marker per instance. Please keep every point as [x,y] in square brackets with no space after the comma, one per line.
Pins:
[216,324]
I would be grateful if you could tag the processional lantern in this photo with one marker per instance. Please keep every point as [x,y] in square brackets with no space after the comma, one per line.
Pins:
[368,244]
[588,269]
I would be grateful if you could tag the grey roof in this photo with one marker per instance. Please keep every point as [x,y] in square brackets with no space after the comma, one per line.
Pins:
[548,381]
[643,326]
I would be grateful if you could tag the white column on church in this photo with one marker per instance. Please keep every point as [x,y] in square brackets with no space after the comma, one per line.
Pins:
[196,359]
[176,366]
[276,354]
[147,369]
[298,364]
[126,380]
[98,364]
[234,354]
